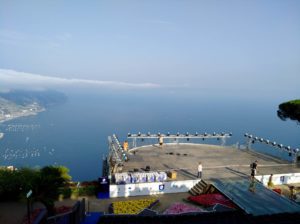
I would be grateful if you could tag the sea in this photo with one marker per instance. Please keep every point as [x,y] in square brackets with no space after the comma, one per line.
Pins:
[75,134]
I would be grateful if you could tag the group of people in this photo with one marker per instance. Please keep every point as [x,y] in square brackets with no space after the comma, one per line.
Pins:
[253,167]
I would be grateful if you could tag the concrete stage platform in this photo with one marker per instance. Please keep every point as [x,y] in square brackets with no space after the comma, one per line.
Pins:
[218,161]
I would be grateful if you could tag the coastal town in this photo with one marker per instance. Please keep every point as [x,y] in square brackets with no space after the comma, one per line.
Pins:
[10,110]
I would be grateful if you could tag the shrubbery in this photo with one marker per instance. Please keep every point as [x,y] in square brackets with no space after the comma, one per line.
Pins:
[87,190]
[44,183]
[14,184]
[74,192]
[48,184]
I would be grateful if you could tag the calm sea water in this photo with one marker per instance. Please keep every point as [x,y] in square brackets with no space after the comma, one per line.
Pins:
[75,134]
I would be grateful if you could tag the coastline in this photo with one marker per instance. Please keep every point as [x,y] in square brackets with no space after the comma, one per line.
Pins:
[19,115]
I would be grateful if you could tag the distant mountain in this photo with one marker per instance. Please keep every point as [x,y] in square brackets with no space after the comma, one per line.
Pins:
[43,98]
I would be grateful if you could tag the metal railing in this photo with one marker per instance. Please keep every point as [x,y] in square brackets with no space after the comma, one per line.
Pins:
[177,138]
[117,155]
[278,150]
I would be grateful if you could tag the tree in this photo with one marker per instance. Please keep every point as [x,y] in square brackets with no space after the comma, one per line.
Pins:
[47,185]
[10,185]
[290,109]
[28,178]
[44,183]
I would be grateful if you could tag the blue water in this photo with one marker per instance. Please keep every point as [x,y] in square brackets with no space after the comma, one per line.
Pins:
[75,134]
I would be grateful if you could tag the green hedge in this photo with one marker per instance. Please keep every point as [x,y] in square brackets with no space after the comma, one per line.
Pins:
[65,192]
[87,191]
[74,192]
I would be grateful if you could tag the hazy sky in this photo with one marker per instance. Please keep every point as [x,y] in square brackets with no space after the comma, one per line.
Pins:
[251,46]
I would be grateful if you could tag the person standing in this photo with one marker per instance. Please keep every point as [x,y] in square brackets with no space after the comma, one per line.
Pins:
[199,170]
[270,182]
[253,167]
[160,140]
[125,145]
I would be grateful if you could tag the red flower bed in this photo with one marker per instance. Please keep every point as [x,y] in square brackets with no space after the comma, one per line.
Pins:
[62,209]
[277,190]
[33,215]
[212,199]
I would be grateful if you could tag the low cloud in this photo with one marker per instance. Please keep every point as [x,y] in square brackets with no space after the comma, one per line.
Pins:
[16,79]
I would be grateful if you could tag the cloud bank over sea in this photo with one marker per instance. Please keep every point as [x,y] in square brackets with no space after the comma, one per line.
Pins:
[11,79]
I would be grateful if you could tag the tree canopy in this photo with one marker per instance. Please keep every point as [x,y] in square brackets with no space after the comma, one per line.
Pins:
[289,110]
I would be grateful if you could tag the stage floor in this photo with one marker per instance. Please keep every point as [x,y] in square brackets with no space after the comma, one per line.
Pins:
[218,161]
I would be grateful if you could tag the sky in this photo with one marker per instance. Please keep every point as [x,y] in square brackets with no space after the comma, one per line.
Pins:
[238,47]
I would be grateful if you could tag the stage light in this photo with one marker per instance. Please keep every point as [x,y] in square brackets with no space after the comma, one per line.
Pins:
[128,134]
[261,139]
[187,134]
[139,134]
[230,134]
[205,134]
[214,133]
[148,133]
[274,143]
[177,134]
[168,134]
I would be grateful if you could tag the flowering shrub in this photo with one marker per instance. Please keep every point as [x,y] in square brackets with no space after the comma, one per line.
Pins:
[132,206]
[62,209]
[33,215]
[178,208]
[212,199]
